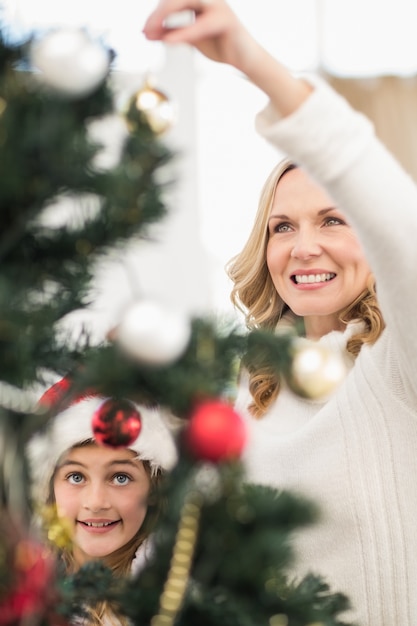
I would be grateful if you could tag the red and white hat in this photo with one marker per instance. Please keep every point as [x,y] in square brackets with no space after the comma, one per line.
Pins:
[72,425]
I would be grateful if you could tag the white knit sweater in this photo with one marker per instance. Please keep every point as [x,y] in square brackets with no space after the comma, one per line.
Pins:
[355,454]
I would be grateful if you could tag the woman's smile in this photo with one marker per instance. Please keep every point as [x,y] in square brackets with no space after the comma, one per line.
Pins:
[312,278]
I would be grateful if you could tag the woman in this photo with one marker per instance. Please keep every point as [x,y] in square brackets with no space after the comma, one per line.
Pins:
[353,452]
[302,264]
[107,496]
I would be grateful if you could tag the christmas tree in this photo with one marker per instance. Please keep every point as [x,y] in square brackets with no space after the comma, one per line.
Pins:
[232,540]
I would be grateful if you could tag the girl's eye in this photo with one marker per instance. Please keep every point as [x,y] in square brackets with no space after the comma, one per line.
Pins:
[121,479]
[75,478]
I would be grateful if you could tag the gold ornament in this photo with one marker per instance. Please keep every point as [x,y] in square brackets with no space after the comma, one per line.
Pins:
[315,371]
[58,529]
[278,620]
[155,106]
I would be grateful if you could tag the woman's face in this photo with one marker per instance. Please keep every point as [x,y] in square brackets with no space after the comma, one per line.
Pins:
[103,493]
[315,260]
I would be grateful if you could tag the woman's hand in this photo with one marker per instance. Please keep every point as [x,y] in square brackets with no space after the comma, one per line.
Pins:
[216,31]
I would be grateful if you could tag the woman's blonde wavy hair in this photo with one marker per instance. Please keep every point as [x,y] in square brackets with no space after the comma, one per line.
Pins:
[254,294]
[120,561]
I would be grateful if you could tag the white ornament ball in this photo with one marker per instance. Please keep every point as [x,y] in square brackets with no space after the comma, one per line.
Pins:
[315,371]
[153,334]
[70,62]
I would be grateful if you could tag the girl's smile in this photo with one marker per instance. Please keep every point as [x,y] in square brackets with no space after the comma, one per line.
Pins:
[98,526]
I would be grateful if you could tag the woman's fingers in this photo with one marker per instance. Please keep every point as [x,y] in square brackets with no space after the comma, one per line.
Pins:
[158,22]
[212,28]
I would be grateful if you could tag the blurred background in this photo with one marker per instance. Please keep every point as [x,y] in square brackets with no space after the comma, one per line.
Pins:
[366,48]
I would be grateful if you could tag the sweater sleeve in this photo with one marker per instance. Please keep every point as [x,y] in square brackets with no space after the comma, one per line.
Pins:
[339,149]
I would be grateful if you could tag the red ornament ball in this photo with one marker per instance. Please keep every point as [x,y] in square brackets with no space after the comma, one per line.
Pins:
[116,423]
[216,432]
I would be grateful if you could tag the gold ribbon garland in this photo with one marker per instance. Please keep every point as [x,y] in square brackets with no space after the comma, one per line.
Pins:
[179,571]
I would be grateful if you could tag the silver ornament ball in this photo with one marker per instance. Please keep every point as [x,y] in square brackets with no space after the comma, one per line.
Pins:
[69,61]
[152,334]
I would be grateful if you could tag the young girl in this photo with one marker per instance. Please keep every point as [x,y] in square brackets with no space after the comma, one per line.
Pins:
[334,244]
[107,496]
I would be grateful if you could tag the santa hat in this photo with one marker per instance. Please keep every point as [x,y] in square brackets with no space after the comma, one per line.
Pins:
[72,426]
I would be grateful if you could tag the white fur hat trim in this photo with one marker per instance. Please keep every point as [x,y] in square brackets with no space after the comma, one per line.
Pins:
[155,442]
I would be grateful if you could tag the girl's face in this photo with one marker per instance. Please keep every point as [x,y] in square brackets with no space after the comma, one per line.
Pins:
[103,492]
[315,260]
